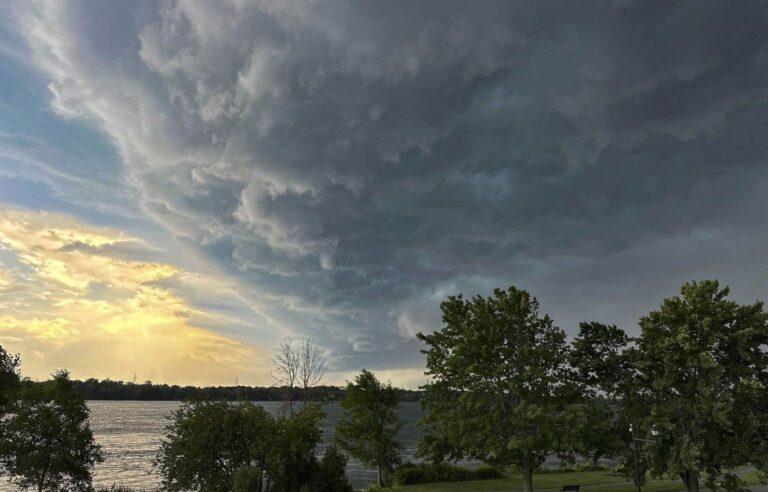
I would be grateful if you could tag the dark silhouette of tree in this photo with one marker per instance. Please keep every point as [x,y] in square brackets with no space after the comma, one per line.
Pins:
[9,378]
[48,444]
[370,424]
[500,386]
[287,363]
[311,366]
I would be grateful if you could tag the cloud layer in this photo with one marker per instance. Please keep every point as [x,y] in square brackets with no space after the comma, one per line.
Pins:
[352,163]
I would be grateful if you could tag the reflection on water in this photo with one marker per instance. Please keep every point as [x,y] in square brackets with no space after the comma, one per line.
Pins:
[130,432]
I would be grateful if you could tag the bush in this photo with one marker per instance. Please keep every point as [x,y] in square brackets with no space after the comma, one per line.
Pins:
[410,473]
[330,475]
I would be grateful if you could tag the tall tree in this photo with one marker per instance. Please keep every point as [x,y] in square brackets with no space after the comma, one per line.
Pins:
[48,443]
[369,427]
[499,386]
[287,363]
[600,356]
[701,365]
[311,366]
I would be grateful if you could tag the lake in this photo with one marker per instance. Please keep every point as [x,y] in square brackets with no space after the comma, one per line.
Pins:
[130,432]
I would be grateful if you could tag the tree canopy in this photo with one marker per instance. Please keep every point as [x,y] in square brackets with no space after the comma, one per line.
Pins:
[369,427]
[500,388]
[47,442]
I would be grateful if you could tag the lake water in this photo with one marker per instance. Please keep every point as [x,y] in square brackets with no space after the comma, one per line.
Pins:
[130,432]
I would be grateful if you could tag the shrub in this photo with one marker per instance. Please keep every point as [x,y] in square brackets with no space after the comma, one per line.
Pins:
[410,473]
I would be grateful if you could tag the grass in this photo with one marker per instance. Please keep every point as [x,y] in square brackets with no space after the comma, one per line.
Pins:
[540,481]
[598,481]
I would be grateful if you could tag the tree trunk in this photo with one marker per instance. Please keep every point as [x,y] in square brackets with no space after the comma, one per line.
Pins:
[691,480]
[379,477]
[527,471]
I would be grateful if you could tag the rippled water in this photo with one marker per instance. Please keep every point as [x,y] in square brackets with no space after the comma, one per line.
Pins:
[130,432]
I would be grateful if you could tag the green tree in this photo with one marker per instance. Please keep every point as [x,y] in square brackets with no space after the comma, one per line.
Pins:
[701,379]
[601,359]
[208,441]
[331,473]
[500,388]
[222,446]
[48,443]
[369,427]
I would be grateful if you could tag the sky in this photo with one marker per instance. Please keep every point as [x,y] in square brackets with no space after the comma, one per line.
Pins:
[183,184]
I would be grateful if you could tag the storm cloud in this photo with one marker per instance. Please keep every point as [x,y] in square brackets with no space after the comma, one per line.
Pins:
[353,163]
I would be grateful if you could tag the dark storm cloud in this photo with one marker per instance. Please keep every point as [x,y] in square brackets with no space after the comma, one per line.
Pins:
[355,162]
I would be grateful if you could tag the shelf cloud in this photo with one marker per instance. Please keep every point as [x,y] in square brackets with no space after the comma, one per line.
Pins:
[350,164]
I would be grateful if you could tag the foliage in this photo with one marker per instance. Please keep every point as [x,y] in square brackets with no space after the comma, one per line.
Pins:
[222,446]
[9,378]
[106,389]
[48,443]
[601,429]
[368,429]
[701,377]
[410,473]
[500,388]
[207,442]
[600,357]
[331,473]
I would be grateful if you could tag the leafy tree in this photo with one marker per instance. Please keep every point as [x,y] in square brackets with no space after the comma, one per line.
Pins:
[207,442]
[370,424]
[701,377]
[9,378]
[331,476]
[601,430]
[499,388]
[222,446]
[293,462]
[601,358]
[48,443]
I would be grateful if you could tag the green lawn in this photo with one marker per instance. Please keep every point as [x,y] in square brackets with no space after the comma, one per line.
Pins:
[540,481]
[596,481]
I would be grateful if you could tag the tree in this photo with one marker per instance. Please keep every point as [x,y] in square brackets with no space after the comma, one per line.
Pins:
[311,366]
[370,424]
[701,379]
[600,357]
[207,442]
[500,388]
[331,474]
[223,446]
[9,379]
[48,443]
[286,372]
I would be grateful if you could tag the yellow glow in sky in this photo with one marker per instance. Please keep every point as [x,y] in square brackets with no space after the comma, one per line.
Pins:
[69,300]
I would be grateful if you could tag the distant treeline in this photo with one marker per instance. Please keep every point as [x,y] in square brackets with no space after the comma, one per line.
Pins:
[106,389]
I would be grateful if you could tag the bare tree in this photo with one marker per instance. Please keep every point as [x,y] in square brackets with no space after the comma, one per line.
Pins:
[285,374]
[311,365]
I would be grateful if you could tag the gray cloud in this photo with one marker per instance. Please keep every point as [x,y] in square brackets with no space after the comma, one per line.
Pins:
[355,162]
